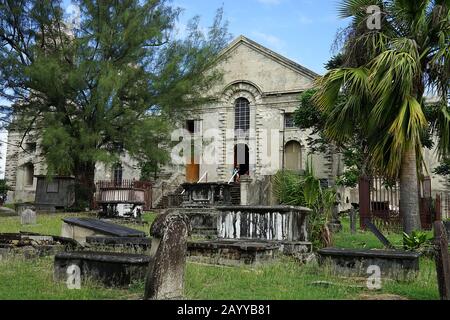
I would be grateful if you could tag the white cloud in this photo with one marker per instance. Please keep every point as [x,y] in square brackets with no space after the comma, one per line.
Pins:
[271,40]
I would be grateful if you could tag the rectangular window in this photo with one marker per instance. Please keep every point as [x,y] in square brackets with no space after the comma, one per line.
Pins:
[289,120]
[30,147]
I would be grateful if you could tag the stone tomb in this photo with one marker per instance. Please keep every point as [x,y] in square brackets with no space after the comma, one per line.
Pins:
[206,194]
[243,252]
[81,228]
[163,268]
[110,268]
[199,205]
[119,244]
[251,235]
[276,223]
[393,264]
[31,245]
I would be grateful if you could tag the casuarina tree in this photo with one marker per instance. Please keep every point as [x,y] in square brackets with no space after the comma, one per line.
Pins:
[113,78]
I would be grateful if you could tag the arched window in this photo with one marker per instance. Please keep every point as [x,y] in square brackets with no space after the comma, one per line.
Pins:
[242,117]
[117,174]
[293,156]
[29,174]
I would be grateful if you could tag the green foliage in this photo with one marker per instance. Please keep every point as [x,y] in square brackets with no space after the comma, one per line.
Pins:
[308,116]
[416,241]
[443,169]
[4,188]
[349,179]
[117,83]
[293,189]
[384,76]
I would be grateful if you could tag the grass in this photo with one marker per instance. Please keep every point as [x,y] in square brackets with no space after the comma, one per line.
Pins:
[50,224]
[282,280]
[363,239]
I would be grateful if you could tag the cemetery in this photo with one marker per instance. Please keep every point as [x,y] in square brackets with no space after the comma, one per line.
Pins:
[168,261]
[148,157]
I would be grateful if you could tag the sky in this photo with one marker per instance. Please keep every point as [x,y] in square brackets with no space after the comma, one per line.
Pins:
[301,30]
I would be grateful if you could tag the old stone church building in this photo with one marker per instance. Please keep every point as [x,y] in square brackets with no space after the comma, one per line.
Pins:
[248,128]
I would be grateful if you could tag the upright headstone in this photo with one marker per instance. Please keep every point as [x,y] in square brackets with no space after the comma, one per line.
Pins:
[28,216]
[442,260]
[165,277]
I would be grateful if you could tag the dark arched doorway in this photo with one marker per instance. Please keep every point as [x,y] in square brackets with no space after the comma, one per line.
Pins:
[242,159]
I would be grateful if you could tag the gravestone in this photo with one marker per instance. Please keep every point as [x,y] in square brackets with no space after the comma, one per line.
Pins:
[27,217]
[442,260]
[165,277]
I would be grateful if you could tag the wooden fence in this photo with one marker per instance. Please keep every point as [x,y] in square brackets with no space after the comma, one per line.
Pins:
[125,191]
[380,203]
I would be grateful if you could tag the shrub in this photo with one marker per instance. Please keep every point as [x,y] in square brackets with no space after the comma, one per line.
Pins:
[305,190]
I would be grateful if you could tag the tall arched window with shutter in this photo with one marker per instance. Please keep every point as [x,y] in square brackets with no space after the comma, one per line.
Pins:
[242,117]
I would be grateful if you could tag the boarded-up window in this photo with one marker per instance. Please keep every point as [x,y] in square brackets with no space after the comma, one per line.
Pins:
[293,156]
[29,174]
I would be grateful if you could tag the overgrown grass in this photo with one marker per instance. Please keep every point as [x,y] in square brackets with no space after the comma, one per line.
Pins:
[285,279]
[363,239]
[50,224]
[33,280]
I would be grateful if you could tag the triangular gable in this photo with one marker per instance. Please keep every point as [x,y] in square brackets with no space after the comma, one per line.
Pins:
[247,60]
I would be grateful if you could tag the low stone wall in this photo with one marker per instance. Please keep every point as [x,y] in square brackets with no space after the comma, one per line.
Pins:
[281,223]
[394,264]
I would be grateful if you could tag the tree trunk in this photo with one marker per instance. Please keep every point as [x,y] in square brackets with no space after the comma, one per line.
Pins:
[84,184]
[409,191]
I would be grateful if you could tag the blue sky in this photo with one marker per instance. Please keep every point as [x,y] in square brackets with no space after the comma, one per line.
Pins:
[302,30]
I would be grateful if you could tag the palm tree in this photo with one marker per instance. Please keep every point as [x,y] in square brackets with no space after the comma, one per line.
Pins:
[384,78]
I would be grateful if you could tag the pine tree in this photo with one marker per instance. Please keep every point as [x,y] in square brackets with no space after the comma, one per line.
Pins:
[115,81]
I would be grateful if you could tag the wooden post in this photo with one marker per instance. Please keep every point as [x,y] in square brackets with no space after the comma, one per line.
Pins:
[442,260]
[438,208]
[364,201]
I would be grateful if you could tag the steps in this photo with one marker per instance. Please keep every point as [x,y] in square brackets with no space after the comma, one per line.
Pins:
[236,194]
[164,203]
